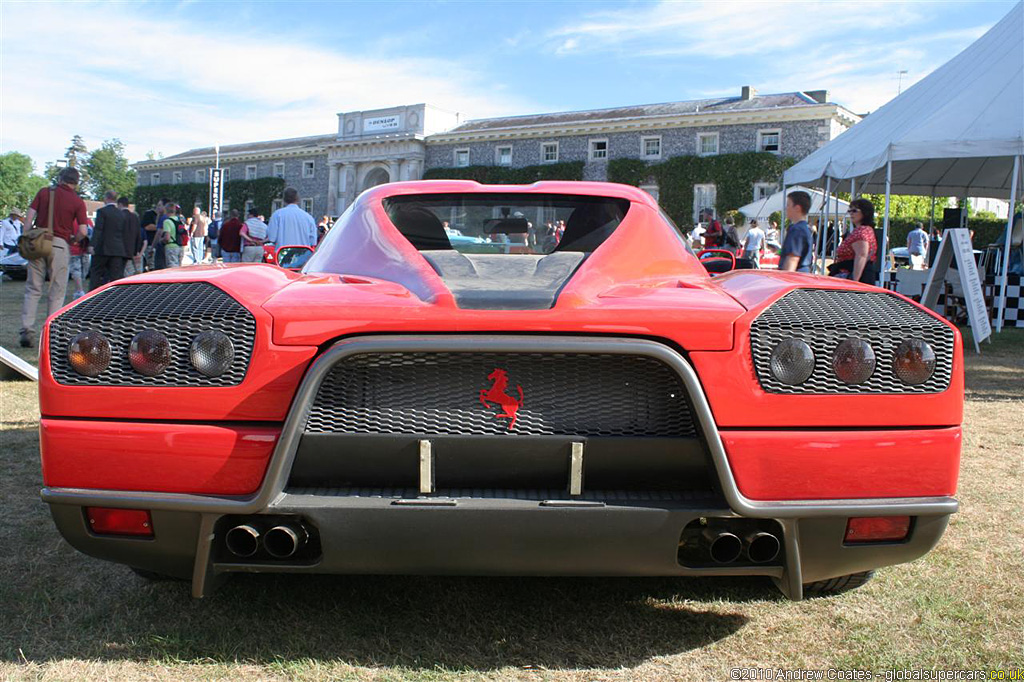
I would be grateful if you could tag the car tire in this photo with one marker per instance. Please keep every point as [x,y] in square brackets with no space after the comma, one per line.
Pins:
[152,576]
[838,585]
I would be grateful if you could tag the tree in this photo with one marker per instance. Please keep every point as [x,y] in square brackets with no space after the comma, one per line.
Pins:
[107,168]
[18,182]
[906,206]
[77,153]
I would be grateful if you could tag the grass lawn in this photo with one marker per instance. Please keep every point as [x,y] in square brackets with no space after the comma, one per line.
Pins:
[65,616]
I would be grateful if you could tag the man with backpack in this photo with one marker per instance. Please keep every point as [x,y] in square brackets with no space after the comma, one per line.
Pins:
[174,235]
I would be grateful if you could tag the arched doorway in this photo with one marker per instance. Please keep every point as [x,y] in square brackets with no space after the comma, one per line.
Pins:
[377,176]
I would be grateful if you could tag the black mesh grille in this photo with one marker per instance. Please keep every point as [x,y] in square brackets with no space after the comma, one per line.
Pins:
[562,394]
[178,310]
[825,318]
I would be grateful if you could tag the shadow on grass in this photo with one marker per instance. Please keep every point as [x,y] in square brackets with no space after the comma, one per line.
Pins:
[413,622]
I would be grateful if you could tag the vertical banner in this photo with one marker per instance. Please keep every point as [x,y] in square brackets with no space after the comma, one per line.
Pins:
[216,192]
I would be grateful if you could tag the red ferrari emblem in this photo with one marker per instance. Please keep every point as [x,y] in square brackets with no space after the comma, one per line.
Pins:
[496,395]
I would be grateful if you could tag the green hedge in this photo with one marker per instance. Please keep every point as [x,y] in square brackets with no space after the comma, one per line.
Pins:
[503,175]
[733,175]
[262,192]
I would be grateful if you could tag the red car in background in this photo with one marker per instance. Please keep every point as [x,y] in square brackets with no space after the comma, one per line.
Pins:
[596,406]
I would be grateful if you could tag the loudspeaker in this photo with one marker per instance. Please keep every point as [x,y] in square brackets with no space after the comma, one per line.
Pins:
[952,218]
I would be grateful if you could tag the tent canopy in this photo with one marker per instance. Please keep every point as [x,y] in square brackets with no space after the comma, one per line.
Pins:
[953,133]
[762,208]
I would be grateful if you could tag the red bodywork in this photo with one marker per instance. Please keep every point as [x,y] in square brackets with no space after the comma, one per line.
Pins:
[641,282]
[796,466]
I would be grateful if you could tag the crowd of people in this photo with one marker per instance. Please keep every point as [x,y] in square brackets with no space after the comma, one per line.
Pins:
[118,243]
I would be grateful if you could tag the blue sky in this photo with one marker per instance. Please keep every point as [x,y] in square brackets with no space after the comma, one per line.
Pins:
[170,76]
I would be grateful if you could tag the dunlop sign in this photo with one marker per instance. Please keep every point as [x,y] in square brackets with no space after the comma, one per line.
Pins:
[379,123]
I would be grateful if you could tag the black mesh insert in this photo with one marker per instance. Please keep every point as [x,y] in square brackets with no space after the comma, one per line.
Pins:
[825,318]
[178,310]
[562,394]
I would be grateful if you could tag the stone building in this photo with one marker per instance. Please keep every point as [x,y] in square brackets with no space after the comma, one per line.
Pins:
[399,143]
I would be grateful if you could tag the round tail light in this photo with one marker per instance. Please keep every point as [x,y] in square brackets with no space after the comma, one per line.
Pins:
[149,353]
[853,361]
[212,353]
[89,353]
[792,361]
[914,362]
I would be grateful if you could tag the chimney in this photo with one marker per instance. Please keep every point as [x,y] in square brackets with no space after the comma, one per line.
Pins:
[748,92]
[819,96]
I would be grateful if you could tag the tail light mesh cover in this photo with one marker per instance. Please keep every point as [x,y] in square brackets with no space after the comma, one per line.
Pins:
[824,318]
[179,310]
[562,394]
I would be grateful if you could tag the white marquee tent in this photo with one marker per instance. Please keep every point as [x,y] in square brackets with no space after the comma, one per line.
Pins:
[762,208]
[957,132]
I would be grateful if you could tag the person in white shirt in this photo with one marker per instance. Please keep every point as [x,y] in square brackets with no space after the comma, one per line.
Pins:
[917,247]
[10,230]
[254,234]
[291,226]
[753,245]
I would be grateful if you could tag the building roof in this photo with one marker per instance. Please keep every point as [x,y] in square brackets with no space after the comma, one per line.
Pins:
[248,148]
[699,106]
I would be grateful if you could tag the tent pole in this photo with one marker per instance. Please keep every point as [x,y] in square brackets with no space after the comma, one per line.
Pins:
[882,271]
[782,217]
[1006,246]
[823,227]
[931,216]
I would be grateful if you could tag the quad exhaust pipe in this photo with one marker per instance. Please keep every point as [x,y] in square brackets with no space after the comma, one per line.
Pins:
[724,548]
[280,542]
[761,547]
[243,541]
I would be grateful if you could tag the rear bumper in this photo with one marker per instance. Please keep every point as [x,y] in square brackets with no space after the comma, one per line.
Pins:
[498,536]
[519,532]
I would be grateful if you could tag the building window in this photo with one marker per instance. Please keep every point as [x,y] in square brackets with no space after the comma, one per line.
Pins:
[549,152]
[200,175]
[250,172]
[707,144]
[652,190]
[769,141]
[650,147]
[598,150]
[309,169]
[704,197]
[763,190]
[503,156]
[307,206]
[176,177]
[224,174]
[278,170]
[461,158]
[154,178]
[248,207]
[276,204]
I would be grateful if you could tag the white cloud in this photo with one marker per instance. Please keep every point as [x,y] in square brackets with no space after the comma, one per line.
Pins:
[172,85]
[854,49]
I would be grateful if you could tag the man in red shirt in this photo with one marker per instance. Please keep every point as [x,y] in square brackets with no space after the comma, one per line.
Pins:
[69,224]
[230,239]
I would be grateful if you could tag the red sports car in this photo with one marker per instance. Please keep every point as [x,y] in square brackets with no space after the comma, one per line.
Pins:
[590,405]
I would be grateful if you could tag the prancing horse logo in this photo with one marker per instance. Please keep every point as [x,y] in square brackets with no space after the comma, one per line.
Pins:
[496,394]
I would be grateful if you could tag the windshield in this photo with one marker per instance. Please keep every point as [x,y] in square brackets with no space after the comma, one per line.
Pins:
[513,224]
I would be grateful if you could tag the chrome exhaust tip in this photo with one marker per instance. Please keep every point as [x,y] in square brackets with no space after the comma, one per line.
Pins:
[282,542]
[724,548]
[242,541]
[762,547]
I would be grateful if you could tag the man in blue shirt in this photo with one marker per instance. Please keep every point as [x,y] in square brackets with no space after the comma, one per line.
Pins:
[291,226]
[797,249]
[917,247]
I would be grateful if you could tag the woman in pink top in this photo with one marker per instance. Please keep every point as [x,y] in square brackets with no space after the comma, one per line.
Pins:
[855,257]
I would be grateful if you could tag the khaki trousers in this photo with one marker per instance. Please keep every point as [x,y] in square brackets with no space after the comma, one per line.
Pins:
[57,264]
